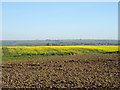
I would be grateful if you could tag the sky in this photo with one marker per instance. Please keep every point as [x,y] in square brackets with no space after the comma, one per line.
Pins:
[59,20]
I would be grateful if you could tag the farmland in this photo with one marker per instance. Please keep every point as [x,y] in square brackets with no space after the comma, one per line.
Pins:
[68,71]
[16,52]
[58,45]
[60,66]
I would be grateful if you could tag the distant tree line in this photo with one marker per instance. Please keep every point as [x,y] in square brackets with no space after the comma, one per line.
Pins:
[67,44]
[58,42]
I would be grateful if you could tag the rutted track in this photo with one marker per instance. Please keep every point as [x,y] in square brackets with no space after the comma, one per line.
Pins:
[77,71]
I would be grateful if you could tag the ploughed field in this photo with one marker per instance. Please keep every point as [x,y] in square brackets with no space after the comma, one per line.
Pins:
[71,71]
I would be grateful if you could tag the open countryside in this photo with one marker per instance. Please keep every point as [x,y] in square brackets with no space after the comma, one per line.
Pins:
[60,66]
[60,45]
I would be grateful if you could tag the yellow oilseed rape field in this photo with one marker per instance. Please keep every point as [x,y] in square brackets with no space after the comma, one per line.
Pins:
[56,50]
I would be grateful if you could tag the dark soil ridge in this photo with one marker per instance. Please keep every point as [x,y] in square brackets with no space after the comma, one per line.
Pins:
[71,71]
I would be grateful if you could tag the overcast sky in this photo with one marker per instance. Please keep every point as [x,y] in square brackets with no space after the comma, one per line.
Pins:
[60,20]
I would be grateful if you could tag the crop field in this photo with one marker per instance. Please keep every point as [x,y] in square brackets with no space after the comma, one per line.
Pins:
[16,52]
[21,52]
[39,50]
[60,67]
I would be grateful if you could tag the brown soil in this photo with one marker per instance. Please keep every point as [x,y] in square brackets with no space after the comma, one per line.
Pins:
[72,71]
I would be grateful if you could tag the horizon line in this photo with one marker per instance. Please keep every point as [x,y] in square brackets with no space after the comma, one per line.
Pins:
[54,39]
